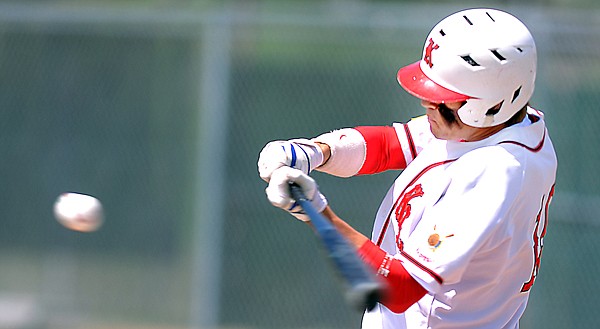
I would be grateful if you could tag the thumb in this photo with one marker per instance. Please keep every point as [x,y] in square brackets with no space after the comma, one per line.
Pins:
[307,183]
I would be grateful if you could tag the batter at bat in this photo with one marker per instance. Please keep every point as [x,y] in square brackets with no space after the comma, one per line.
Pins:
[458,237]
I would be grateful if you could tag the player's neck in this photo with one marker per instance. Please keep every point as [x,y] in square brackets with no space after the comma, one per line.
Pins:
[483,133]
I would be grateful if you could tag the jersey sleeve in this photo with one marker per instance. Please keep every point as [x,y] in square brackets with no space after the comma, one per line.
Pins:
[367,150]
[415,137]
[393,148]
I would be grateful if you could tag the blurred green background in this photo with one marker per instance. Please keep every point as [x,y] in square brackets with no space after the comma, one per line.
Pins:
[159,109]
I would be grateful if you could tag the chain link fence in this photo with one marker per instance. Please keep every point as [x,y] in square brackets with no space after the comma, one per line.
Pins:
[161,114]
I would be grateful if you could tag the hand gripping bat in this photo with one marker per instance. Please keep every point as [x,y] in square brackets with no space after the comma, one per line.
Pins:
[361,288]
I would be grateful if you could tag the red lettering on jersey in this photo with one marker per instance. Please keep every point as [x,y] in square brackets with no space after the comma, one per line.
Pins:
[403,210]
[388,218]
[428,50]
[538,241]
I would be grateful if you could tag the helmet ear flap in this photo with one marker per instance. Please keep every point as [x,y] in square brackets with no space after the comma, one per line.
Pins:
[495,114]
[483,112]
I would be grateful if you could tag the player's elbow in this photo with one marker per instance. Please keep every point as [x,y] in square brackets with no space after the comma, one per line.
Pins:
[397,307]
[401,289]
[398,300]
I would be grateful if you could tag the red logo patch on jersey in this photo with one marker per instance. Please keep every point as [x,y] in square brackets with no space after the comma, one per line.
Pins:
[428,50]
[404,208]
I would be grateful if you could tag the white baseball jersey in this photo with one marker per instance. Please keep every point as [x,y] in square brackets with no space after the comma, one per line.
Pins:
[467,221]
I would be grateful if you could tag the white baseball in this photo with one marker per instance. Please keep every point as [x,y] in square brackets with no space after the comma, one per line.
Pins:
[79,212]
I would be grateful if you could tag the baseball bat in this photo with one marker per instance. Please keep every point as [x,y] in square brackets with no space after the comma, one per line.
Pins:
[361,289]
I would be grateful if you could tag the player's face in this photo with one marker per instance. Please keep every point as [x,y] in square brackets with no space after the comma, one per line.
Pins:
[445,123]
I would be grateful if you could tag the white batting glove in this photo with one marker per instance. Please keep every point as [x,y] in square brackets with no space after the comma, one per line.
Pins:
[301,154]
[278,191]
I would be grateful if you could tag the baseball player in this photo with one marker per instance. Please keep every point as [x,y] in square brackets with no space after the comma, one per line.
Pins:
[459,235]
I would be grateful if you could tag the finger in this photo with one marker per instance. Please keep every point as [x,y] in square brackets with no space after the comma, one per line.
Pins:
[265,170]
[278,191]
[270,158]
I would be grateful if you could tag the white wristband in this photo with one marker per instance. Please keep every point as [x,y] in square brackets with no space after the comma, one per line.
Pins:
[312,151]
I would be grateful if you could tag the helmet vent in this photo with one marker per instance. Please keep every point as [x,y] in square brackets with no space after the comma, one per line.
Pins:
[442,33]
[469,60]
[490,16]
[520,49]
[516,94]
[468,20]
[497,54]
[494,110]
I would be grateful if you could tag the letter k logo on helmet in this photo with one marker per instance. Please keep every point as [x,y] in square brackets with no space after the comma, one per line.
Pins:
[428,50]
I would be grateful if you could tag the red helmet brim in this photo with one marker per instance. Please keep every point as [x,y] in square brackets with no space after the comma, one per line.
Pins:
[414,80]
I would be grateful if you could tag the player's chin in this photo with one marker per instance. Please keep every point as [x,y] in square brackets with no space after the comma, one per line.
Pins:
[434,127]
[439,133]
[431,120]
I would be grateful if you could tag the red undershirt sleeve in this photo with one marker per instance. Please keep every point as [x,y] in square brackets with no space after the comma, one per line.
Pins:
[402,289]
[384,151]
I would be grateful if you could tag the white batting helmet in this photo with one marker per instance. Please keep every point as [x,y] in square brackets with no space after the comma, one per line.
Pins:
[485,57]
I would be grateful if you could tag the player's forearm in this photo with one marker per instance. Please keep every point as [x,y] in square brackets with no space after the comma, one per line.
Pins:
[363,150]
[356,238]
[346,151]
